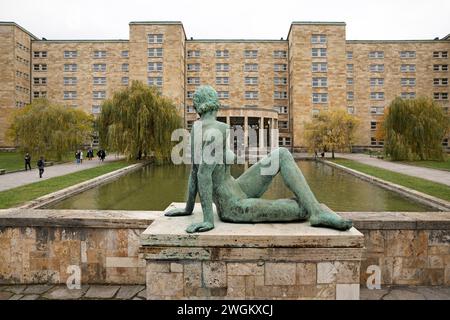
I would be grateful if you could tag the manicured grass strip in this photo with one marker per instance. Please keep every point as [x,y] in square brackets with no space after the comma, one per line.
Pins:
[431,188]
[14,197]
[13,161]
[438,165]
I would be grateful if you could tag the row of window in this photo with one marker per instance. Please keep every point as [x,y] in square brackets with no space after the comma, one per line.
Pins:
[72,95]
[96,67]
[22,47]
[402,54]
[249,95]
[21,104]
[21,74]
[323,97]
[405,82]
[248,54]
[97,54]
[72,81]
[248,80]
[22,89]
[403,67]
[23,60]
[248,67]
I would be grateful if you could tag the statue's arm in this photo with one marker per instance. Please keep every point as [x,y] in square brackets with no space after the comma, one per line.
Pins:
[192,190]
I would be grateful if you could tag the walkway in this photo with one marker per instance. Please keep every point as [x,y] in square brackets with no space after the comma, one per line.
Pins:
[438,176]
[137,292]
[17,179]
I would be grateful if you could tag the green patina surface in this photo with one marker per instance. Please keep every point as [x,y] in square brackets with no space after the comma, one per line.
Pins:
[239,200]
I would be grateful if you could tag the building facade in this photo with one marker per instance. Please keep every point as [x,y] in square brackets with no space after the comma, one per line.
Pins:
[261,83]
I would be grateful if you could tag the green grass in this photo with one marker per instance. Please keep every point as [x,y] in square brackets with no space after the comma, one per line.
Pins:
[14,197]
[439,165]
[13,161]
[431,188]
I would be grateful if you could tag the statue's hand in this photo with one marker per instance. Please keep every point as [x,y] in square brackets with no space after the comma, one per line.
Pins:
[200,227]
[177,212]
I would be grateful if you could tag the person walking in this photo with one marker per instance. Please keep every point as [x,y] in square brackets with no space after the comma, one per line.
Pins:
[41,165]
[27,162]
[77,156]
[81,156]
[90,154]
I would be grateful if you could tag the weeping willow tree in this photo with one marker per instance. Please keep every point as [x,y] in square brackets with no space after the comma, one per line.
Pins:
[333,131]
[138,120]
[50,130]
[414,130]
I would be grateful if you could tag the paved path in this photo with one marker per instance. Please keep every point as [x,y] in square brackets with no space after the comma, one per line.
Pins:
[439,176]
[17,179]
[137,292]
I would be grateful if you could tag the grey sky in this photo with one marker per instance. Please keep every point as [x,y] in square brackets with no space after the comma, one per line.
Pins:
[230,19]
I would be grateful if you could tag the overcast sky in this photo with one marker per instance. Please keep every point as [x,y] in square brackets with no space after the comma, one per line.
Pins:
[230,19]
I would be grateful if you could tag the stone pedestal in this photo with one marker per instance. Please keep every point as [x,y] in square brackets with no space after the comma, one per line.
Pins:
[250,261]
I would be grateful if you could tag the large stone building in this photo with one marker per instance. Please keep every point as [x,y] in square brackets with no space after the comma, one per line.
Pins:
[270,83]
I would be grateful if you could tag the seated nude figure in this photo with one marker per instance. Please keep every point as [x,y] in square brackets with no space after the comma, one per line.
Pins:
[238,200]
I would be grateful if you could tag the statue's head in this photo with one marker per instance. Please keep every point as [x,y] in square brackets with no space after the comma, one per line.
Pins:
[206,100]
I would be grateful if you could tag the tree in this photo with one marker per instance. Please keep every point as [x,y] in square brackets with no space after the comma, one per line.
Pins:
[333,131]
[414,130]
[138,120]
[46,129]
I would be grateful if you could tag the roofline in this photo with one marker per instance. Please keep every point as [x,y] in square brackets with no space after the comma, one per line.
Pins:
[10,23]
[398,41]
[235,40]
[312,23]
[159,23]
[83,41]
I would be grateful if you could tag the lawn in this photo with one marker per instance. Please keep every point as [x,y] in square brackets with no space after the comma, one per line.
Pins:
[439,165]
[431,188]
[14,197]
[13,161]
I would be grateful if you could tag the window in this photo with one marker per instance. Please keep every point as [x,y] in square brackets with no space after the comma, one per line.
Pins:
[280,54]
[350,81]
[98,54]
[407,54]
[222,67]
[193,54]
[377,68]
[373,125]
[408,95]
[155,52]
[223,94]
[318,52]
[251,95]
[279,67]
[190,94]
[99,67]
[40,54]
[440,67]
[96,109]
[320,97]
[440,54]
[99,95]
[251,67]
[70,54]
[70,67]
[277,95]
[125,81]
[193,80]
[40,67]
[350,68]
[279,81]
[319,82]
[319,67]
[349,55]
[190,109]
[251,80]
[440,96]
[155,38]
[408,82]
[377,110]
[376,82]
[318,38]
[40,81]
[440,81]
[40,94]
[376,55]
[155,67]
[408,68]
[284,141]
[351,110]
[377,95]
[193,67]
[222,54]
[99,80]
[249,54]
[283,125]
[125,54]
[125,67]
[70,95]
[350,95]
[223,80]
[155,81]
[281,109]
[70,81]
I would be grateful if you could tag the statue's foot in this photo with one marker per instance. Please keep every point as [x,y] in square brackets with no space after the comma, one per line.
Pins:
[326,218]
[177,212]
[200,227]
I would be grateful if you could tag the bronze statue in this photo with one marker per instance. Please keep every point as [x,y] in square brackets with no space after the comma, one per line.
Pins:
[238,200]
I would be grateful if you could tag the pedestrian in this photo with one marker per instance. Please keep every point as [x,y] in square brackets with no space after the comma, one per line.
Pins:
[77,156]
[90,154]
[27,161]
[323,154]
[81,156]
[41,165]
[103,156]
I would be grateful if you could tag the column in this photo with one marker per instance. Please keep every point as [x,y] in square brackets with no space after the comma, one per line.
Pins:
[246,131]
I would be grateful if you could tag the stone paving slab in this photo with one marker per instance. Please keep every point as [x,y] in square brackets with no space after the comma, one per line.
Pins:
[102,292]
[63,293]
[128,292]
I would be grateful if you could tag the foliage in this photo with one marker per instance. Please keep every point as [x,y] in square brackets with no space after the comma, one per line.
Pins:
[414,130]
[332,131]
[50,130]
[138,120]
